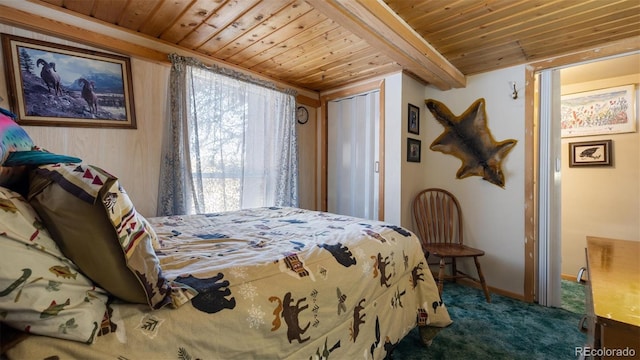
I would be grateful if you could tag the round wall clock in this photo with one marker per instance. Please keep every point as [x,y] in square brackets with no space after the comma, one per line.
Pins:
[302,115]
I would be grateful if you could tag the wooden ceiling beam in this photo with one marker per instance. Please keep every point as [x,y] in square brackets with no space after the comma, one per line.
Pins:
[380,27]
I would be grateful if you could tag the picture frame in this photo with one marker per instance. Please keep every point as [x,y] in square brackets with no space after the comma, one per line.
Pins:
[591,153]
[413,120]
[57,85]
[414,149]
[597,112]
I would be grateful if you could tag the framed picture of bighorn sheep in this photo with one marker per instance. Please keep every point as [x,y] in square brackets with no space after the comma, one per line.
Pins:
[56,85]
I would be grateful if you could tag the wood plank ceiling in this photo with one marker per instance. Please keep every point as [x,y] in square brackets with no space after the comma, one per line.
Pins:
[324,44]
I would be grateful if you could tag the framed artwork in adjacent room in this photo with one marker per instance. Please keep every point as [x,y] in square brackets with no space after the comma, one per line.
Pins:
[591,153]
[598,112]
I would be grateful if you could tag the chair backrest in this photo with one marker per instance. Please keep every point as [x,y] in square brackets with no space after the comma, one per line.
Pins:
[438,217]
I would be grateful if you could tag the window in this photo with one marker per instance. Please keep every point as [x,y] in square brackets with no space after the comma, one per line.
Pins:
[237,132]
[230,142]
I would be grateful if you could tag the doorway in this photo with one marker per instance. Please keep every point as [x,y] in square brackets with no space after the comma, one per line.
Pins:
[550,256]
[353,155]
[601,200]
[377,187]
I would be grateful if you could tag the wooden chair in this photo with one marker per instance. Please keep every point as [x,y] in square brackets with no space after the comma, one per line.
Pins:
[438,219]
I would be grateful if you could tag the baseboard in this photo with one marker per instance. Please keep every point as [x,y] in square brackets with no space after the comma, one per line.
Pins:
[502,292]
[492,289]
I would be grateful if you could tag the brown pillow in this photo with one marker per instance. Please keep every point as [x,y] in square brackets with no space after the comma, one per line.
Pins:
[35,276]
[86,234]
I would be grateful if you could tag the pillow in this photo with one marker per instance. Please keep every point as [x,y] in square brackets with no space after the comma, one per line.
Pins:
[37,157]
[12,138]
[10,175]
[95,224]
[42,292]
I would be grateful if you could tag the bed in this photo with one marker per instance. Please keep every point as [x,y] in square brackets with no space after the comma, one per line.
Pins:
[267,283]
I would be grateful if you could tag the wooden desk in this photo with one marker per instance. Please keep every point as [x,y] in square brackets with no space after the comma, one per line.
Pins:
[613,298]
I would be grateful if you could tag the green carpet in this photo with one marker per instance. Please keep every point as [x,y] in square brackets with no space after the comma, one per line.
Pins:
[573,297]
[505,329]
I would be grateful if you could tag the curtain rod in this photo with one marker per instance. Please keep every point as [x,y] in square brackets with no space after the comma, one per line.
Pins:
[179,60]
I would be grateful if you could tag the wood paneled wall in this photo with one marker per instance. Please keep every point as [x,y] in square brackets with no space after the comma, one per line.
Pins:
[131,155]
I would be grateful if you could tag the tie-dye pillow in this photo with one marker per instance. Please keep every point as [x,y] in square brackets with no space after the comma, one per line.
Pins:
[12,138]
[42,292]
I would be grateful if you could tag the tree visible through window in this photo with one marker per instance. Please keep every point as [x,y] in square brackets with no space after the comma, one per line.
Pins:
[230,142]
[236,134]
[217,125]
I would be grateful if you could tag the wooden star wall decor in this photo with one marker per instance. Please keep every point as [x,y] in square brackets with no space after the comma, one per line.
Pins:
[468,138]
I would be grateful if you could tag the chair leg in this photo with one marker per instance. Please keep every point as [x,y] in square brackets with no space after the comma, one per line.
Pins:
[441,277]
[454,270]
[482,281]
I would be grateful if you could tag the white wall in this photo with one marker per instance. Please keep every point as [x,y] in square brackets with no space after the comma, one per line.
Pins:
[493,216]
[393,183]
[412,173]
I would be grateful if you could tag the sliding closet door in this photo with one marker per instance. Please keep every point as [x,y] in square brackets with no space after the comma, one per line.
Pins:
[353,155]
[549,198]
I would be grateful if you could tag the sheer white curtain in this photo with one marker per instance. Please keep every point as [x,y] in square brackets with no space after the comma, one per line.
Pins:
[242,149]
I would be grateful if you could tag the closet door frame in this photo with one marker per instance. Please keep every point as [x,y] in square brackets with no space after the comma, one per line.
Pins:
[324,100]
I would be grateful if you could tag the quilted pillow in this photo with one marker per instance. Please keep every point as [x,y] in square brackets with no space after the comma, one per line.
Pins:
[96,225]
[12,138]
[42,291]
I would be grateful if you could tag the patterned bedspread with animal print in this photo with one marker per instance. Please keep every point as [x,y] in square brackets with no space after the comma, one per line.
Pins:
[273,283]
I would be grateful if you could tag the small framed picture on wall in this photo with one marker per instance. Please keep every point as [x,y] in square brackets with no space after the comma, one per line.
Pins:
[414,119]
[591,153]
[413,150]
